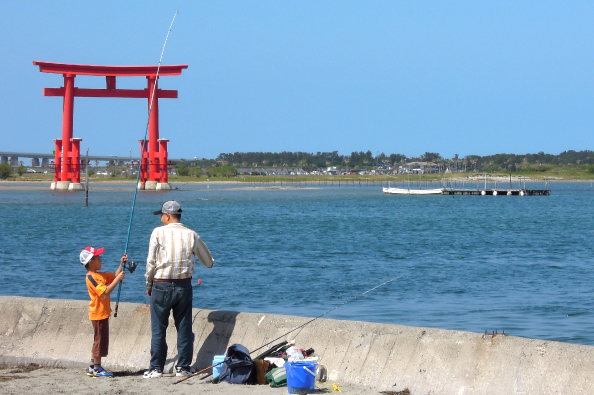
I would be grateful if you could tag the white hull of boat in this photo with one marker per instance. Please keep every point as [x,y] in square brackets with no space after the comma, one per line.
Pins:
[404,191]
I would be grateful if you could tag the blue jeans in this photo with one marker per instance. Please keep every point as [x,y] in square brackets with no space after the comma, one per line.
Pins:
[167,296]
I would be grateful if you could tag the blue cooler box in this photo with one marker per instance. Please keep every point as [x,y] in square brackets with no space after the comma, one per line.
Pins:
[217,369]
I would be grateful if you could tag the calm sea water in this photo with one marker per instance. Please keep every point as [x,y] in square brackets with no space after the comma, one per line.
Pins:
[519,264]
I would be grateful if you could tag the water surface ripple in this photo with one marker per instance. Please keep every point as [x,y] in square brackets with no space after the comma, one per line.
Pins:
[474,263]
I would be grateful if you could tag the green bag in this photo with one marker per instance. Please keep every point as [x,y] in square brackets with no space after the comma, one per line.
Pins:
[277,377]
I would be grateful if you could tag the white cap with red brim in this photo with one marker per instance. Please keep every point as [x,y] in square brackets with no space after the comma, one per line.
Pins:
[88,253]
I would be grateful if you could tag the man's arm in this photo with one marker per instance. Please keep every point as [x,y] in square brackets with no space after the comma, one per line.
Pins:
[150,264]
[202,252]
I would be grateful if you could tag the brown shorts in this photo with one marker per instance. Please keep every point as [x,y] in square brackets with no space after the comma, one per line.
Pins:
[101,343]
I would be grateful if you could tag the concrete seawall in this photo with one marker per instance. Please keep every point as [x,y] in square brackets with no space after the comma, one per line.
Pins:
[57,332]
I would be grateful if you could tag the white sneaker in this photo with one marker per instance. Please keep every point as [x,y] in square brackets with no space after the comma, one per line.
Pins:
[181,372]
[153,374]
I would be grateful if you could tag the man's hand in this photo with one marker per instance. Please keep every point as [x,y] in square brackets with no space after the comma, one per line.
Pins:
[148,292]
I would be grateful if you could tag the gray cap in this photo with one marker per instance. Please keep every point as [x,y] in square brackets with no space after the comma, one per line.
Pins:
[170,207]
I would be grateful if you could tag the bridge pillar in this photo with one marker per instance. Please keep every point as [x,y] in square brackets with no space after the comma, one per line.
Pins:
[35,162]
[3,160]
[44,162]
[14,161]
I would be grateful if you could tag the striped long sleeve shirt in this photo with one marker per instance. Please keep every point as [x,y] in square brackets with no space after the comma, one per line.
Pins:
[172,253]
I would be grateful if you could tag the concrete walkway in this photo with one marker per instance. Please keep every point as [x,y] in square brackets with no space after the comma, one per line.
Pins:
[57,333]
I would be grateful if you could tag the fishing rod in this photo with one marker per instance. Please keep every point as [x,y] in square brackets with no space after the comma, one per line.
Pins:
[294,329]
[132,266]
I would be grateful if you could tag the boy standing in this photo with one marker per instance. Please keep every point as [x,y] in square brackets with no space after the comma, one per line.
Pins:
[100,285]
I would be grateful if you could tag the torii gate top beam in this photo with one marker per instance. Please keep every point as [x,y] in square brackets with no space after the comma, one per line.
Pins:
[116,71]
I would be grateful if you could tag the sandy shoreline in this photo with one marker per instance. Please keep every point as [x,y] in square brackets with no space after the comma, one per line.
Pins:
[34,379]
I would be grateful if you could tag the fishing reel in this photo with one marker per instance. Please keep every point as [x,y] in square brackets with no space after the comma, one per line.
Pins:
[131,266]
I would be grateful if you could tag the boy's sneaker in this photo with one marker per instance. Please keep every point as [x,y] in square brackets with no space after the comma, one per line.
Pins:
[90,371]
[101,373]
[183,372]
[153,374]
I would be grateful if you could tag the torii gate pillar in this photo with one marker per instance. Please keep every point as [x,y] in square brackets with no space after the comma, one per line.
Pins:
[153,169]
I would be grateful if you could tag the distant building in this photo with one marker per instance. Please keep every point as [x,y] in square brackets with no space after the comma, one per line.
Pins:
[421,167]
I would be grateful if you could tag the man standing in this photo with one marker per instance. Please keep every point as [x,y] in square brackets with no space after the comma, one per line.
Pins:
[169,267]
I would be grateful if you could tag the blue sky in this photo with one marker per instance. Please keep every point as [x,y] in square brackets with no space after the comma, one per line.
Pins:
[454,77]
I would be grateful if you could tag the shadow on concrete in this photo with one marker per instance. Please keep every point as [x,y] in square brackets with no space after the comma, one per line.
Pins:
[125,374]
[217,341]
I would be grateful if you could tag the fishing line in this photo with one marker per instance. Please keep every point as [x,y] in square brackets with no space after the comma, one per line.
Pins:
[298,327]
[141,159]
[350,300]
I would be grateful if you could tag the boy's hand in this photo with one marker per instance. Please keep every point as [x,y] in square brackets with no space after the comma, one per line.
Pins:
[121,276]
[124,259]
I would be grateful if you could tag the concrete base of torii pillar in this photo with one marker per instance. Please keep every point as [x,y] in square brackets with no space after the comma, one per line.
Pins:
[150,185]
[66,186]
[76,186]
[154,186]
[60,185]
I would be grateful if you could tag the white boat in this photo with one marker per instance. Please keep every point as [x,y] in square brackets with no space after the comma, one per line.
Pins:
[406,191]
[412,191]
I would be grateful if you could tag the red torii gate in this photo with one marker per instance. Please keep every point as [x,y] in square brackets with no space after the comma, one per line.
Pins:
[154,160]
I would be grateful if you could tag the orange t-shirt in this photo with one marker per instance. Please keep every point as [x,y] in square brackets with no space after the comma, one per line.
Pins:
[97,283]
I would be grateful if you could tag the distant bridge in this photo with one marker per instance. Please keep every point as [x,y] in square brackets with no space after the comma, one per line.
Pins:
[43,160]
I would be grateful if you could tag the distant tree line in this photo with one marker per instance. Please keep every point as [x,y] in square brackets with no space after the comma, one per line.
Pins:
[226,164]
[193,170]
[306,161]
[366,160]
[533,162]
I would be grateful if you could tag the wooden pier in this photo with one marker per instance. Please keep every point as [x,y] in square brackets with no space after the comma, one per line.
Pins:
[498,192]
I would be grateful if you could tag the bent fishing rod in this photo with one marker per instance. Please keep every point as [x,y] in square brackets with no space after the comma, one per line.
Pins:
[132,266]
[300,327]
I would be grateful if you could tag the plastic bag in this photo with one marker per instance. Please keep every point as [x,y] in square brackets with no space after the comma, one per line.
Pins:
[294,354]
